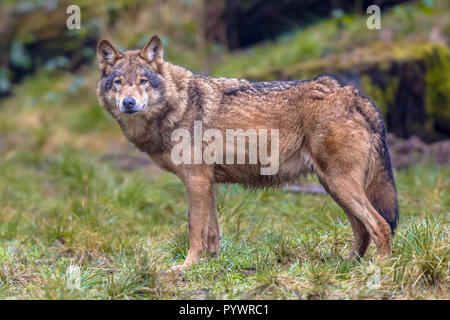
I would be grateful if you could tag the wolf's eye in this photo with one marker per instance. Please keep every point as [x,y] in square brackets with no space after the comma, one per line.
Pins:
[143,81]
[118,82]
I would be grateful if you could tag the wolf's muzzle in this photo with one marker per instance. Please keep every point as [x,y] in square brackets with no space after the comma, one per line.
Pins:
[129,105]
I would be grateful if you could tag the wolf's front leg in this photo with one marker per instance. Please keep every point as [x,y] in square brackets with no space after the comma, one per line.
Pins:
[213,229]
[199,190]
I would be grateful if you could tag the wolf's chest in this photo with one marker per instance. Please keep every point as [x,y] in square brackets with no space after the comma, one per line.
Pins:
[135,129]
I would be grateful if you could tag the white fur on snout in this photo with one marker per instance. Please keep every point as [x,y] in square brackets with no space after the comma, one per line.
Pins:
[133,124]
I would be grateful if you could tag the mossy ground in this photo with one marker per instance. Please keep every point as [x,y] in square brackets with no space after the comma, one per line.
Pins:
[67,208]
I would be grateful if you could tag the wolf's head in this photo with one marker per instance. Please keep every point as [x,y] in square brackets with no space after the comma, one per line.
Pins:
[131,82]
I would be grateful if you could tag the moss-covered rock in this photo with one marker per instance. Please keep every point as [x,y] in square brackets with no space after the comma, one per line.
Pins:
[437,80]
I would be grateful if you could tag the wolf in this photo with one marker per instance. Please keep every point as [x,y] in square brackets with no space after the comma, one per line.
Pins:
[325,128]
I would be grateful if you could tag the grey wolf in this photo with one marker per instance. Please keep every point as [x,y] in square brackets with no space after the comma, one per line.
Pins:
[325,128]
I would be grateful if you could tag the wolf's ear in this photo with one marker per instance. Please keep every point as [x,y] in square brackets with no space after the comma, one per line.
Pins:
[153,50]
[107,55]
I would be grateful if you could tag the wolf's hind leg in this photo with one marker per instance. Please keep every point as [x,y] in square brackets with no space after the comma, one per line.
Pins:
[341,152]
[365,220]
[362,238]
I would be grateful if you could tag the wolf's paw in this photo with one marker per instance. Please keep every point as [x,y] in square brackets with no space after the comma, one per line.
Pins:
[214,253]
[214,249]
[178,269]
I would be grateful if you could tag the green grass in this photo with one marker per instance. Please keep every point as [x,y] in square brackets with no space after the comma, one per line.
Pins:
[71,213]
[68,211]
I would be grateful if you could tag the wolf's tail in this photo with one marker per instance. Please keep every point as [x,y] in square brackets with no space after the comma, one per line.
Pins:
[381,189]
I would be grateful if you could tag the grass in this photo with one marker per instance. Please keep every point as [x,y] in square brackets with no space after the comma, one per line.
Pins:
[71,215]
[69,210]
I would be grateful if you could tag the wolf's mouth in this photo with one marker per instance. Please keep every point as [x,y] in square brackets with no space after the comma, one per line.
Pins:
[131,110]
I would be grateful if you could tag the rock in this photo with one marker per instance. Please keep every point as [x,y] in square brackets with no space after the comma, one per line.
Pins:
[407,153]
[312,188]
[440,151]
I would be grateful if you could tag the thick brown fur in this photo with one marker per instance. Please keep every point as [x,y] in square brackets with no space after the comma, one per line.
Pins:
[324,128]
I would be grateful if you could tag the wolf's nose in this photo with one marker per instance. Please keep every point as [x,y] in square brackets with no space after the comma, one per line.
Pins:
[129,102]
